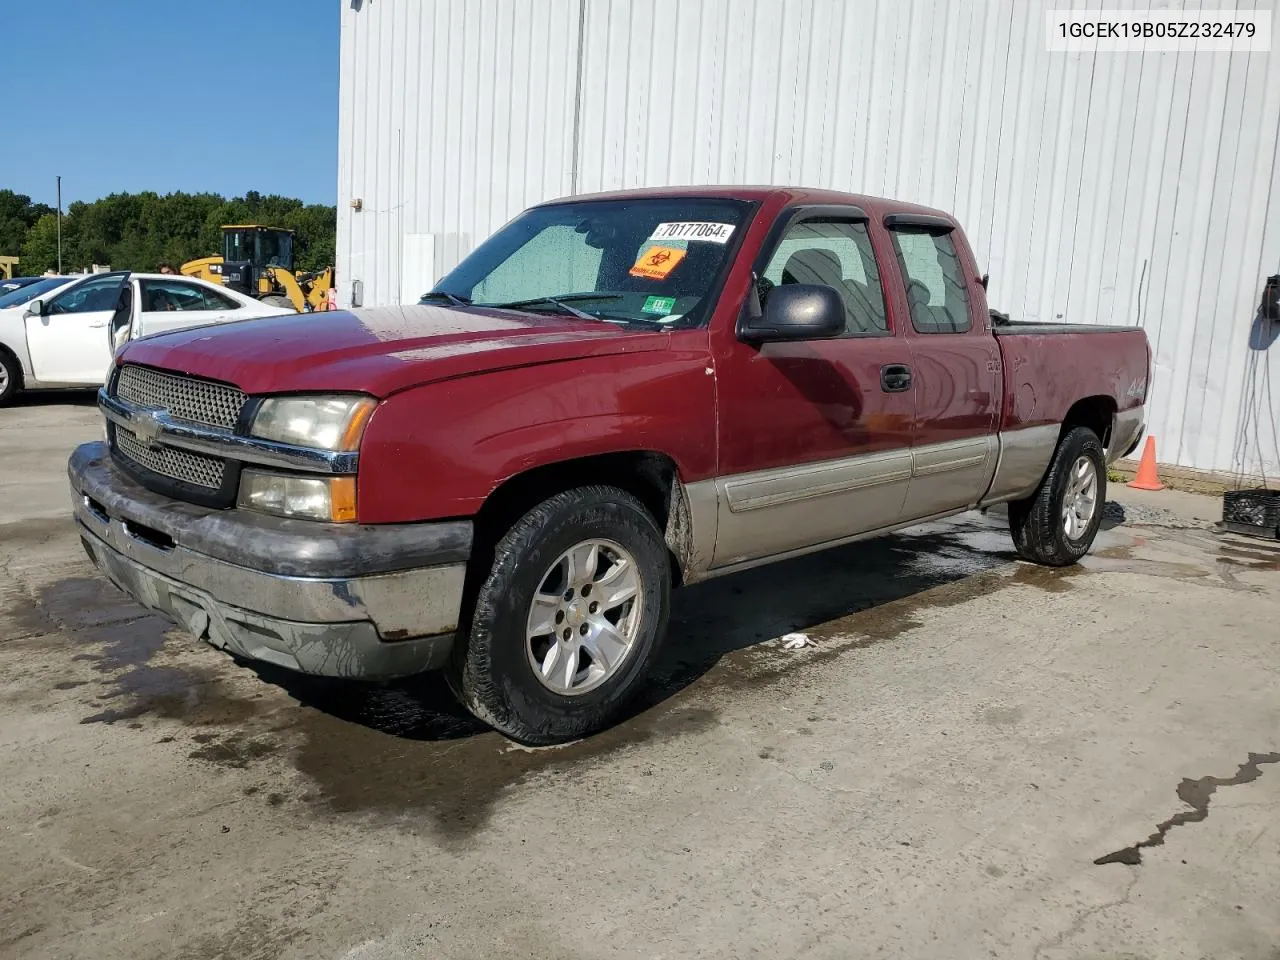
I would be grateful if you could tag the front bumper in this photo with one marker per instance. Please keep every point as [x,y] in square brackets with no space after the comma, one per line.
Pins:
[338,600]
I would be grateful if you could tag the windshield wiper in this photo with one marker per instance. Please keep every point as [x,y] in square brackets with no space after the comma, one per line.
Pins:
[561,303]
[566,298]
[453,298]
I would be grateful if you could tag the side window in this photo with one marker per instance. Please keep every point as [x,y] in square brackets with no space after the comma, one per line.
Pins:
[163,296]
[837,254]
[90,296]
[216,300]
[557,252]
[936,289]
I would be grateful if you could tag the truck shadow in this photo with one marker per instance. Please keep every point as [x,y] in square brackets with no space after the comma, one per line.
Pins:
[57,398]
[714,622]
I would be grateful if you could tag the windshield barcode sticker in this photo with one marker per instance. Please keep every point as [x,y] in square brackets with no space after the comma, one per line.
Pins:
[693,230]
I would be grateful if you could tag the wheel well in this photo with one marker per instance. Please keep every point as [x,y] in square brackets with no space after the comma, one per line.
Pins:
[17,364]
[1096,413]
[648,476]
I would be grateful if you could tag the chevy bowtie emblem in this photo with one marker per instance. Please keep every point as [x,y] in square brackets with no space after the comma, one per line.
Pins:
[147,427]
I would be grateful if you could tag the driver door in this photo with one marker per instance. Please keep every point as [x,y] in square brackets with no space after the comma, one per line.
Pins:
[69,341]
[815,435]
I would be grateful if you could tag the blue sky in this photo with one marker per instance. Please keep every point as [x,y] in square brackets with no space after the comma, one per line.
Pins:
[127,95]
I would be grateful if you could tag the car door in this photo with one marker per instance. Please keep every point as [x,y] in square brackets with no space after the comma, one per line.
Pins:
[955,366]
[814,435]
[174,303]
[68,341]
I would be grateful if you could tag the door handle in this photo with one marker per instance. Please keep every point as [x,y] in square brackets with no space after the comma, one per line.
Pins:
[95,326]
[895,378]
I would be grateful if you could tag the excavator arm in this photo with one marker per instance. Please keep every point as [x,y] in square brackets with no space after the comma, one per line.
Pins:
[288,285]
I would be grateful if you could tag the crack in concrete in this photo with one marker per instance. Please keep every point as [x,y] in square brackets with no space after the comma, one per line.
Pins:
[1196,794]
[1077,925]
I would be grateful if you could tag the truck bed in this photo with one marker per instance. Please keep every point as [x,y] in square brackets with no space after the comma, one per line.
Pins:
[1049,367]
[1025,327]
[1003,326]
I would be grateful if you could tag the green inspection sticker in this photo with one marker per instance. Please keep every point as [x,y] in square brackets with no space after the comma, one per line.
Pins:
[659,304]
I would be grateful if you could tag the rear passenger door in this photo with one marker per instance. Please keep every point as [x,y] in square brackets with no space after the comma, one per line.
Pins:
[175,304]
[814,435]
[955,363]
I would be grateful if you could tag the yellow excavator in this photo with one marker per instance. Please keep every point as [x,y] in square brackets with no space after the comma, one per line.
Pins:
[258,261]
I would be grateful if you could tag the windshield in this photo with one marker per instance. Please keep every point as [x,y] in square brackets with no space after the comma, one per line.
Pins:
[275,249]
[16,298]
[659,260]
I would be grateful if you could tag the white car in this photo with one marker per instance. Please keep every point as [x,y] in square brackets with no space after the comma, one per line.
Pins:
[66,336]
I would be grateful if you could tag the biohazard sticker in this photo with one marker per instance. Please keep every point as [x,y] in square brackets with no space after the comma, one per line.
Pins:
[693,230]
[656,263]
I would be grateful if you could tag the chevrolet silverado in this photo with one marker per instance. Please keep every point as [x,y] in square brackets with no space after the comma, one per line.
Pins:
[612,396]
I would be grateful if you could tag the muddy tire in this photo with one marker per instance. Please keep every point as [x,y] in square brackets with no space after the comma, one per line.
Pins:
[276,300]
[568,620]
[10,377]
[1055,526]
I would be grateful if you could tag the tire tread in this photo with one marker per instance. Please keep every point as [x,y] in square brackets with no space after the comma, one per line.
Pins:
[471,672]
[1035,522]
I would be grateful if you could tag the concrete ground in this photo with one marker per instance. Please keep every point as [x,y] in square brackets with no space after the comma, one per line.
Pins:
[936,777]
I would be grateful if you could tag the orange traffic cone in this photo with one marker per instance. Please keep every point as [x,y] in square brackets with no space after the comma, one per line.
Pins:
[1147,478]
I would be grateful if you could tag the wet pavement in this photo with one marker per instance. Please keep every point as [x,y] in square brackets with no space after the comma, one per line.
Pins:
[969,759]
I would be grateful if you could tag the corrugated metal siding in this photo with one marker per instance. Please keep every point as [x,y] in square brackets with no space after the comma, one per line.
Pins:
[1107,188]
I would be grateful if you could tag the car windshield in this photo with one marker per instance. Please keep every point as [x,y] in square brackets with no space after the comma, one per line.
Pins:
[658,261]
[16,298]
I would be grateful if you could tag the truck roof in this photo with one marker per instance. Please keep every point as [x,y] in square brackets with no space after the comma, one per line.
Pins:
[877,206]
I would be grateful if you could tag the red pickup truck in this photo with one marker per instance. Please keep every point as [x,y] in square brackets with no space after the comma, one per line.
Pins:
[612,396]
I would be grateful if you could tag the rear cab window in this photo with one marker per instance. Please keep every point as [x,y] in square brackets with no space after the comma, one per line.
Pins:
[936,292]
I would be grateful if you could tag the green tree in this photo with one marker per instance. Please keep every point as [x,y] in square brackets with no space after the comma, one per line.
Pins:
[17,216]
[140,230]
[40,247]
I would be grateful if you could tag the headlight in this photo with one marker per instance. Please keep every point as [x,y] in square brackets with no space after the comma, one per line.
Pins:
[328,423]
[306,498]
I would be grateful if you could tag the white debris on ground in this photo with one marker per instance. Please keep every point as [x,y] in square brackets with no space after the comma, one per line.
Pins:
[794,641]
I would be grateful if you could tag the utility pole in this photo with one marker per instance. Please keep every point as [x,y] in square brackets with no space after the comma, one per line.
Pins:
[59,225]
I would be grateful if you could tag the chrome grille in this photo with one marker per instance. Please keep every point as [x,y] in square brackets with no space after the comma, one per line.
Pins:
[169,462]
[213,404]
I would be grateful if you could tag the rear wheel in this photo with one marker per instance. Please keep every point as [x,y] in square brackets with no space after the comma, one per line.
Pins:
[1056,525]
[568,620]
[10,377]
[277,300]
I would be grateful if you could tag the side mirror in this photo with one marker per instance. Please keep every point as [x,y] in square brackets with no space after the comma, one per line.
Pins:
[796,311]
[34,309]
[1271,299]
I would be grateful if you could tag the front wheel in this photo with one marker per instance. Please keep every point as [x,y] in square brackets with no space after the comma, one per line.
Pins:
[1056,525]
[10,378]
[568,620]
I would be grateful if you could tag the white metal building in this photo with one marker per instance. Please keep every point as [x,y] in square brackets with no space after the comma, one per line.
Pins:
[1096,187]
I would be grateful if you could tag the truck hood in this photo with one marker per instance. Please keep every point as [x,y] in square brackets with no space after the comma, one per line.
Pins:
[381,350]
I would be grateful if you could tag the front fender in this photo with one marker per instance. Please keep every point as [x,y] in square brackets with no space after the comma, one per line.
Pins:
[439,450]
[13,338]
